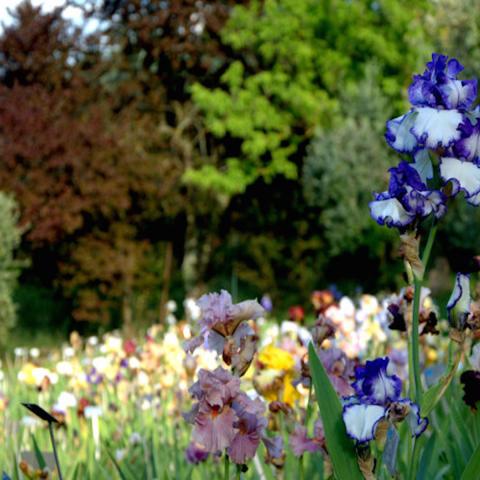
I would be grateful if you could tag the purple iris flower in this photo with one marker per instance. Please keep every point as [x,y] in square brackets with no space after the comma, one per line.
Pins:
[224,328]
[374,384]
[94,378]
[301,443]
[378,399]
[224,417]
[195,454]
[407,200]
[438,86]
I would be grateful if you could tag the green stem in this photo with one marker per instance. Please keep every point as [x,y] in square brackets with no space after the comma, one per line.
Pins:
[414,463]
[379,463]
[411,375]
[415,343]
[239,472]
[428,247]
[301,473]
[308,413]
[226,474]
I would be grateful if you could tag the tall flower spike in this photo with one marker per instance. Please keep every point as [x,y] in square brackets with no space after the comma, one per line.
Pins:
[439,101]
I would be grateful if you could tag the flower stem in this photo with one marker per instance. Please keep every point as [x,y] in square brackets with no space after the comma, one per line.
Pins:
[226,474]
[415,343]
[414,463]
[301,473]
[308,412]
[428,247]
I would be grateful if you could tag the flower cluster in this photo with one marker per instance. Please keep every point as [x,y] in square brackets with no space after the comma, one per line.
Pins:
[378,399]
[224,417]
[224,329]
[440,124]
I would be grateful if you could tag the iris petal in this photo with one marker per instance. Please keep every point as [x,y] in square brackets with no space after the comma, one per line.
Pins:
[464,175]
[390,212]
[399,135]
[458,306]
[362,420]
[436,128]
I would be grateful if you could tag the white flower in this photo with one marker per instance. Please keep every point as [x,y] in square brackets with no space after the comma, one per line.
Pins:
[34,352]
[93,411]
[134,363]
[67,400]
[64,368]
[171,306]
[68,352]
[101,364]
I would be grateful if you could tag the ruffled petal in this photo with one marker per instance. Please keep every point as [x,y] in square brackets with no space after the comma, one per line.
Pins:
[375,384]
[399,135]
[423,203]
[390,212]
[247,310]
[362,420]
[474,200]
[214,432]
[417,423]
[458,93]
[436,128]
[214,341]
[464,175]
[378,386]
[423,165]
[438,86]
[458,306]
[468,147]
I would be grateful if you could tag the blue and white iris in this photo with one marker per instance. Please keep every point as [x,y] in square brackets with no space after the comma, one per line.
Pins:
[458,306]
[377,392]
[408,198]
[443,123]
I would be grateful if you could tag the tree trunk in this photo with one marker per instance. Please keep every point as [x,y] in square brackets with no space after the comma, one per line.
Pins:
[167,276]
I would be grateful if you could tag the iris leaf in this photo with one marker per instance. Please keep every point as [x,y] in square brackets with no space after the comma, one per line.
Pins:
[340,447]
[38,454]
[473,466]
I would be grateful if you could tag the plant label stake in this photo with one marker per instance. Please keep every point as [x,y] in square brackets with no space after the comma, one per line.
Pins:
[46,417]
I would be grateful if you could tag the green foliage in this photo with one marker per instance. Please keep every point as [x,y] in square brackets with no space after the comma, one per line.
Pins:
[294,60]
[340,447]
[344,164]
[10,236]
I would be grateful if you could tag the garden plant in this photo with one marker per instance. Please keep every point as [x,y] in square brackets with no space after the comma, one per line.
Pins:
[373,388]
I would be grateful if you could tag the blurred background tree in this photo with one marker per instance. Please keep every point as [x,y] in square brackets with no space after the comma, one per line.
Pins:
[187,145]
[10,266]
